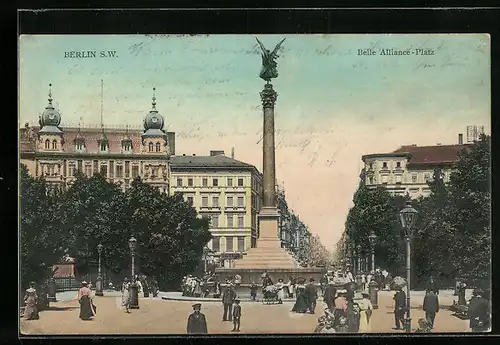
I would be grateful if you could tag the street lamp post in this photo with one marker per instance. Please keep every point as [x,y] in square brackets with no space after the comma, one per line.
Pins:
[99,287]
[408,216]
[134,293]
[372,238]
[358,269]
[205,253]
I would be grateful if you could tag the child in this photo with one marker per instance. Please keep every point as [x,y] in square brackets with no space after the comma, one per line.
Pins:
[236,315]
[253,291]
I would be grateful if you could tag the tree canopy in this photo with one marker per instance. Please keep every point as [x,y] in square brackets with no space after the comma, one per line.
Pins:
[453,232]
[170,234]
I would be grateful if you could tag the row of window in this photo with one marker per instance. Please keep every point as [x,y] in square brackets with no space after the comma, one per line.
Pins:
[215,182]
[399,178]
[240,221]
[104,146]
[230,201]
[96,167]
[216,244]
[385,165]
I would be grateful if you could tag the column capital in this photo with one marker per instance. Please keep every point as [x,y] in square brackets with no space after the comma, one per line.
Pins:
[268,96]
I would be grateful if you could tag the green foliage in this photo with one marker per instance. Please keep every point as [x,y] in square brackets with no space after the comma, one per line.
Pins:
[453,232]
[455,219]
[376,210]
[41,245]
[170,235]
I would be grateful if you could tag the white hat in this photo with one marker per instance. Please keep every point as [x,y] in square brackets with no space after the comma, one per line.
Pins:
[341,291]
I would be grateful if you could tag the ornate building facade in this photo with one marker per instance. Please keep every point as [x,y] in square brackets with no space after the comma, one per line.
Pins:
[407,170]
[57,153]
[225,189]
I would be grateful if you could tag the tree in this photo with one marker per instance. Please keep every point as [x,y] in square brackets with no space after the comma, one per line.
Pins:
[377,210]
[94,213]
[318,254]
[172,236]
[41,242]
[470,212]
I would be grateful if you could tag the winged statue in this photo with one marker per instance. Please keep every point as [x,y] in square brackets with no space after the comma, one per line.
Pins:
[269,66]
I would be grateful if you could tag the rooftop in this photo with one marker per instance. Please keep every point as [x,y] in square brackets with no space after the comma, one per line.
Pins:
[219,161]
[433,154]
[91,137]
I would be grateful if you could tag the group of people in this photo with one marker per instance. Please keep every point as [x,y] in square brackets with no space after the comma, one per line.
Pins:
[344,311]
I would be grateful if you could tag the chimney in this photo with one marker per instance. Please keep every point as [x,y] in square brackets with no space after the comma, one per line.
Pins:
[438,144]
[460,139]
[232,152]
[216,153]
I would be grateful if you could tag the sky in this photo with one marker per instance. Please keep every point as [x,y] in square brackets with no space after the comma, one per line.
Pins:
[333,105]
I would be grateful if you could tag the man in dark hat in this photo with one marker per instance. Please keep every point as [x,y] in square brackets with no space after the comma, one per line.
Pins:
[236,315]
[197,324]
[312,295]
[399,307]
[478,312]
[431,307]
[228,297]
[329,296]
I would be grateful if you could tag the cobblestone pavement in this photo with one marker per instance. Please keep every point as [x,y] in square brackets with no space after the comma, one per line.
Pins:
[157,316]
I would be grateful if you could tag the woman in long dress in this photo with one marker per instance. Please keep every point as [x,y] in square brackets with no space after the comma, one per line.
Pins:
[126,294]
[31,300]
[197,288]
[366,308]
[301,304]
[85,300]
[281,291]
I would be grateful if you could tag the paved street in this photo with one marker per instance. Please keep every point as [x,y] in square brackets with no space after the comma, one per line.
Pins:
[157,316]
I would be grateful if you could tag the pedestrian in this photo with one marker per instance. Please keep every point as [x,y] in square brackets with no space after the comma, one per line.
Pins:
[30,302]
[237,280]
[197,288]
[228,297]
[125,290]
[301,303]
[349,276]
[431,307]
[236,315]
[312,295]
[138,283]
[323,283]
[388,281]
[281,291]
[353,317]
[399,307]
[363,281]
[291,287]
[329,295]
[366,308]
[84,298]
[479,320]
[369,278]
[253,291]
[197,324]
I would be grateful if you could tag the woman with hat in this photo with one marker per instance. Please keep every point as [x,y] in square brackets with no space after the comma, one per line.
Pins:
[366,308]
[31,300]
[125,289]
[301,303]
[84,298]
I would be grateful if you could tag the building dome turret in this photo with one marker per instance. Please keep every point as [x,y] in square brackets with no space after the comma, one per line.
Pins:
[50,118]
[153,122]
